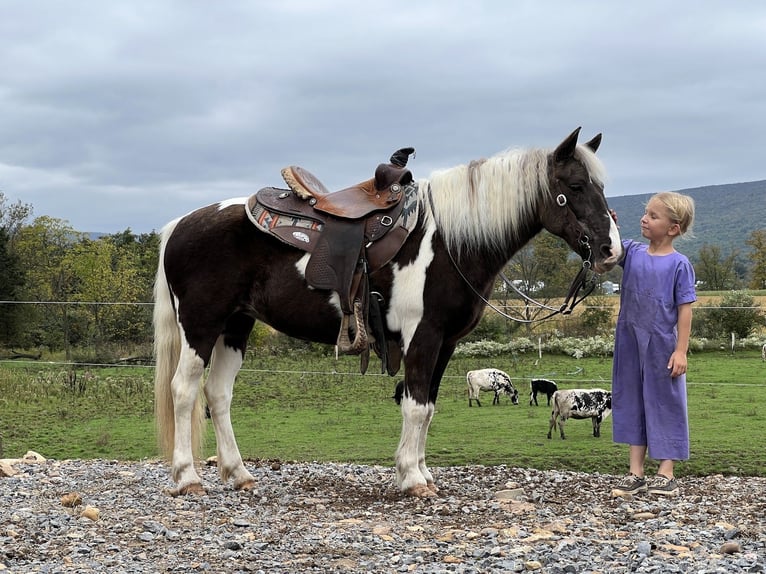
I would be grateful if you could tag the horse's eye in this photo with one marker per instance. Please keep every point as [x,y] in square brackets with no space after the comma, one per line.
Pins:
[575,187]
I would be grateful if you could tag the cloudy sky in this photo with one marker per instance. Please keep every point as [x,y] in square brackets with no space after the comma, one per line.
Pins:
[120,115]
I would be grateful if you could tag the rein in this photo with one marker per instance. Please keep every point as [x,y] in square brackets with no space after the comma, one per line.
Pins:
[583,282]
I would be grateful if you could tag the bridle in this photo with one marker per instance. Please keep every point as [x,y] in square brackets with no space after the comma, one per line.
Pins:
[582,285]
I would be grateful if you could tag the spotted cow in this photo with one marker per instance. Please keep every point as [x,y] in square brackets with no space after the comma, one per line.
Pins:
[594,404]
[493,380]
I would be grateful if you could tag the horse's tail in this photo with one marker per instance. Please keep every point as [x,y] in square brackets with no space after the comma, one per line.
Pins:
[167,352]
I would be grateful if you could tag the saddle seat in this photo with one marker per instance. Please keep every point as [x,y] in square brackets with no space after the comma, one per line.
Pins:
[382,192]
[349,234]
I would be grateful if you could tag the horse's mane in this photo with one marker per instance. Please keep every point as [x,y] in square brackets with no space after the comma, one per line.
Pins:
[490,202]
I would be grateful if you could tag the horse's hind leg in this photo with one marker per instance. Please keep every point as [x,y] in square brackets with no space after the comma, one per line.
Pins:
[219,389]
[187,417]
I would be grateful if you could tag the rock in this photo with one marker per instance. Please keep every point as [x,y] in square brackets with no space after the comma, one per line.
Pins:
[71,500]
[644,548]
[91,513]
[6,469]
[730,548]
[510,494]
[32,457]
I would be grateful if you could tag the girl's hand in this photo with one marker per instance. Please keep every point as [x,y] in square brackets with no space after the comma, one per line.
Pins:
[677,364]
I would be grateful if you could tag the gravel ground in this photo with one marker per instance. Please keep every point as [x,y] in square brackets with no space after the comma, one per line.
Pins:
[309,517]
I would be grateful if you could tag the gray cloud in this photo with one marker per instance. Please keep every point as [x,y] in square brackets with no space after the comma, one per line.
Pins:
[125,115]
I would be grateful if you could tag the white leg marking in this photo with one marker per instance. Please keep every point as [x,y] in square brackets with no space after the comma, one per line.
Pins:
[422,444]
[219,389]
[185,388]
[415,419]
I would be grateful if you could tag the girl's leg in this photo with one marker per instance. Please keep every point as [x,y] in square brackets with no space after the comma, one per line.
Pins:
[666,468]
[637,458]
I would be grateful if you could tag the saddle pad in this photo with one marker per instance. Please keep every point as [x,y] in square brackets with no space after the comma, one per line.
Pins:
[300,232]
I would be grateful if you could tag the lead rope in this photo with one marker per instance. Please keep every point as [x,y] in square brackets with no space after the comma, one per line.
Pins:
[571,300]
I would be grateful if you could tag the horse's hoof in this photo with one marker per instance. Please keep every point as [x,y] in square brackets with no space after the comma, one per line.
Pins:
[432,486]
[420,491]
[245,485]
[195,488]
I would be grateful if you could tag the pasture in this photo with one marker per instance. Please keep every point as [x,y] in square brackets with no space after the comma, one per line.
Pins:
[307,407]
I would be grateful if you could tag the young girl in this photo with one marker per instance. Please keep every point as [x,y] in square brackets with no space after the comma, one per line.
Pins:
[651,342]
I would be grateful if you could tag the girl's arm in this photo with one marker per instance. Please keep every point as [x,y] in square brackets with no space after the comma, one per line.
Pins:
[677,362]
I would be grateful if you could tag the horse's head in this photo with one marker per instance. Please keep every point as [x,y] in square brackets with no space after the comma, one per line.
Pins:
[576,208]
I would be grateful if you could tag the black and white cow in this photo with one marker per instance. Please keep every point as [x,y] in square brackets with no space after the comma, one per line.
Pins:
[594,404]
[490,380]
[542,386]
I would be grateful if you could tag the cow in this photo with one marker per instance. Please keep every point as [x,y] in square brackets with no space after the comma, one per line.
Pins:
[763,352]
[594,404]
[543,386]
[490,380]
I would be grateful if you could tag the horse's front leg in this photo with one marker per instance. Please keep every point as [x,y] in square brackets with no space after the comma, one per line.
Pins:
[219,389]
[422,449]
[412,475]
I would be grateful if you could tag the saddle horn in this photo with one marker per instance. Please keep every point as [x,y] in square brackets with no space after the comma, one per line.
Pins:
[400,157]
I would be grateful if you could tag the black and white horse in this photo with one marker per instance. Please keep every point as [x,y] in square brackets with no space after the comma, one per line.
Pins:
[218,274]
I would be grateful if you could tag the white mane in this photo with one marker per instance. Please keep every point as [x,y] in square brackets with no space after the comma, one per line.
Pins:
[488,202]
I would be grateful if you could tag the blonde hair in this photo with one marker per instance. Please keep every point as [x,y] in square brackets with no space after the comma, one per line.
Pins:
[680,208]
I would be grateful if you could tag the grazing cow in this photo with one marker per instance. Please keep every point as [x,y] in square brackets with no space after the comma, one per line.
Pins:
[543,386]
[594,404]
[763,352]
[490,380]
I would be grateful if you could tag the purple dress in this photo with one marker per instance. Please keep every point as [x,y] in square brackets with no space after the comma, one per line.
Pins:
[648,405]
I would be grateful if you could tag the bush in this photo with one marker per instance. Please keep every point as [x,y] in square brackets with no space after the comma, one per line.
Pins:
[737,313]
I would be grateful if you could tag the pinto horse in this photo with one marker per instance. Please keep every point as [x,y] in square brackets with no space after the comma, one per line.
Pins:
[219,273]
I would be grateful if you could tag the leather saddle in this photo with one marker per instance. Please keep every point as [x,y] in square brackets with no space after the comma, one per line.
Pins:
[349,234]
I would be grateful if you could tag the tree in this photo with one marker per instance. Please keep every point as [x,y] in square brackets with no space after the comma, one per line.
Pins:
[13,217]
[11,280]
[41,248]
[737,313]
[757,241]
[716,272]
[103,274]
[541,270]
[144,249]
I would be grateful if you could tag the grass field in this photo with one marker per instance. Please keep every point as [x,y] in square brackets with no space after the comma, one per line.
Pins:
[314,408]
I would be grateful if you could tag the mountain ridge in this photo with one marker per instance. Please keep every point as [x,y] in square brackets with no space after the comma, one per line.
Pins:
[725,216]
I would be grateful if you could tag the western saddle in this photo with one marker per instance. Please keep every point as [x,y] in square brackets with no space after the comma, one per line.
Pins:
[348,234]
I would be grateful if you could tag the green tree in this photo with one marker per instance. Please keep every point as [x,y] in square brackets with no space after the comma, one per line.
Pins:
[757,241]
[541,270]
[104,279]
[11,280]
[717,273]
[144,250]
[41,248]
[13,217]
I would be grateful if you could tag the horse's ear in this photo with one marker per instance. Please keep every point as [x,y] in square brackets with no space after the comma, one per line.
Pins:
[566,148]
[594,143]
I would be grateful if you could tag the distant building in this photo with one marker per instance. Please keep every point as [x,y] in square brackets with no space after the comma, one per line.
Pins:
[610,287]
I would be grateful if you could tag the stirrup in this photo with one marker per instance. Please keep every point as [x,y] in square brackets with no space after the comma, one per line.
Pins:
[361,341]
